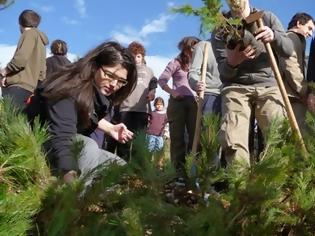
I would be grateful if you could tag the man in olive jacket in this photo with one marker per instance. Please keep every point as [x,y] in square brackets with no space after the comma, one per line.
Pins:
[293,68]
[28,65]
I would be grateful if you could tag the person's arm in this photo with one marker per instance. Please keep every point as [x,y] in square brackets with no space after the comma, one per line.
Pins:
[195,68]
[119,132]
[153,82]
[152,88]
[293,72]
[3,73]
[166,76]
[23,52]
[281,43]
[294,76]
[49,66]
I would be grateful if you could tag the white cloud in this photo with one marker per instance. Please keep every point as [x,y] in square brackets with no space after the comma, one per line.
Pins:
[69,21]
[81,7]
[171,4]
[7,52]
[129,34]
[44,8]
[155,26]
[47,8]
[126,35]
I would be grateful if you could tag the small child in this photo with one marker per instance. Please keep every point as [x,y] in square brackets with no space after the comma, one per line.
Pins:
[157,123]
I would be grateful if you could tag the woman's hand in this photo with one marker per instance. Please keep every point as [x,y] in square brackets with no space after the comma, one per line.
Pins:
[70,176]
[118,132]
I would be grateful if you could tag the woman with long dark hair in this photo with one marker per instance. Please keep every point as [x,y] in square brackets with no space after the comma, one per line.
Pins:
[74,102]
[182,107]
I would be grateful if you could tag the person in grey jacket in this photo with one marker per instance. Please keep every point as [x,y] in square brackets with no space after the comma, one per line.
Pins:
[249,86]
[212,85]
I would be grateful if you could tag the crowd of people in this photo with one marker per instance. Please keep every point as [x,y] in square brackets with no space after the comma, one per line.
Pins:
[103,100]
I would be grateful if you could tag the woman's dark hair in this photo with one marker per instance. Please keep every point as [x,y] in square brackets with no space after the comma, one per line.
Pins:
[158,99]
[300,17]
[59,47]
[29,18]
[186,46]
[77,79]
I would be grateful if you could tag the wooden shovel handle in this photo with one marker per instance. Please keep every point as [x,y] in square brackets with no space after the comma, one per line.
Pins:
[200,100]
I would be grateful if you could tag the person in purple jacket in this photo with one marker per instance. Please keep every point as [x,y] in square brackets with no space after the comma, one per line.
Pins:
[182,106]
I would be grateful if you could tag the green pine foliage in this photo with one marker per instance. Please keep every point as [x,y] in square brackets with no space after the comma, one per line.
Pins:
[23,171]
[274,196]
[209,14]
[211,17]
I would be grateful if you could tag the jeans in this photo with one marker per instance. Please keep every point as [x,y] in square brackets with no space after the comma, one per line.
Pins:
[155,143]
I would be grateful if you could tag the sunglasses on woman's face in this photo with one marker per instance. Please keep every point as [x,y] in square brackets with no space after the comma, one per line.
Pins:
[111,77]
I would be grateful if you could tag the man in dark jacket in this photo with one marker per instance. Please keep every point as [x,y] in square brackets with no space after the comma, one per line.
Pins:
[311,77]
[311,63]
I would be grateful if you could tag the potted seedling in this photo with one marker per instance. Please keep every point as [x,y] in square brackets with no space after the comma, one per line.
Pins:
[232,30]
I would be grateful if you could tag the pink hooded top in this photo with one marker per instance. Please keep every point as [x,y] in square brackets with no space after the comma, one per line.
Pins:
[180,79]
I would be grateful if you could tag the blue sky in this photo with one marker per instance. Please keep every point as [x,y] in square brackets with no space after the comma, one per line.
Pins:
[84,24]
